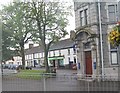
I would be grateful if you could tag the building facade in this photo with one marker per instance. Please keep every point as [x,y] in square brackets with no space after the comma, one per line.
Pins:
[95,55]
[61,55]
[16,60]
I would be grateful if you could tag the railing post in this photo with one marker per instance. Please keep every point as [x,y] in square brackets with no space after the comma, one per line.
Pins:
[119,68]
[88,87]
[44,83]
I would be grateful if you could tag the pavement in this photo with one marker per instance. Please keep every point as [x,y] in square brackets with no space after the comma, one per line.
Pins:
[67,72]
[9,71]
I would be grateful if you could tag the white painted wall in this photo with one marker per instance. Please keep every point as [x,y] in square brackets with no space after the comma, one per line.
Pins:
[17,60]
[40,56]
[64,52]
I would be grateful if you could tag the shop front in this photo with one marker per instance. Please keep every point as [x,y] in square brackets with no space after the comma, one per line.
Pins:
[57,61]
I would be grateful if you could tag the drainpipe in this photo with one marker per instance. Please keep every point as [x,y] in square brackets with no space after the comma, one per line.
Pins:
[118,49]
[119,68]
[101,38]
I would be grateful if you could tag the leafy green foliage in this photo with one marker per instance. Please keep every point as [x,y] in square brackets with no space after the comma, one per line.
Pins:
[6,44]
[43,22]
[50,20]
[18,27]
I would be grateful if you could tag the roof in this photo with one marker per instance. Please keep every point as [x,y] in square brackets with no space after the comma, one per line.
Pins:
[67,43]
[36,49]
[63,44]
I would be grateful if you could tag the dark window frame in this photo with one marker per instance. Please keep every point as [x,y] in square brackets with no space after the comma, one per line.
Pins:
[74,50]
[113,12]
[81,18]
[75,60]
[68,59]
[59,52]
[112,63]
[53,53]
[84,17]
[68,51]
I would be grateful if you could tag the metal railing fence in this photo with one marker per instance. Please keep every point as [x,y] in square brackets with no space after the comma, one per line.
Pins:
[58,82]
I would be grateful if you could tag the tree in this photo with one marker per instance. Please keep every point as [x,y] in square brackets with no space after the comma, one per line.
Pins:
[50,21]
[7,53]
[18,25]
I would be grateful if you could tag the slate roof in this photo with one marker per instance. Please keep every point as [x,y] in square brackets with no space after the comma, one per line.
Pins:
[67,43]
[36,49]
[63,44]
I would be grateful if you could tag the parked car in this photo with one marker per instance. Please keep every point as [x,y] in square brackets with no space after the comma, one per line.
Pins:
[4,66]
[29,67]
[12,66]
[20,67]
[37,66]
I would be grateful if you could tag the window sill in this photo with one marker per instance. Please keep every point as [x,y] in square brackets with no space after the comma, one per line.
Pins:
[114,65]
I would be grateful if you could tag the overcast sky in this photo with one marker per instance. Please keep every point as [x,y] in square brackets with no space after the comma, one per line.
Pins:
[71,25]
[71,18]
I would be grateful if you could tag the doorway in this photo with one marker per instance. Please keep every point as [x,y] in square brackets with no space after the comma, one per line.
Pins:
[88,63]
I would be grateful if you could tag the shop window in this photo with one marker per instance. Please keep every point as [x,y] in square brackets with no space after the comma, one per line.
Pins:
[61,63]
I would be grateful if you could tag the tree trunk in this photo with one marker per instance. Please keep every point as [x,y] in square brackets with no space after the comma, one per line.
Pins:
[46,63]
[46,59]
[23,56]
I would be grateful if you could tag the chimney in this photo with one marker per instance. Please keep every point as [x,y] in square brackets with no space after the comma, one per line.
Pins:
[30,46]
[72,34]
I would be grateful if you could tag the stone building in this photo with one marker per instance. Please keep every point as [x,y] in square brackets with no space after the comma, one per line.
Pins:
[95,55]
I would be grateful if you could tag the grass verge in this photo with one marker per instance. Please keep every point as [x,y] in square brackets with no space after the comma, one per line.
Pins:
[30,74]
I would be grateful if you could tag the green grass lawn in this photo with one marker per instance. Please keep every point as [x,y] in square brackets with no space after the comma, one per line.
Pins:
[30,74]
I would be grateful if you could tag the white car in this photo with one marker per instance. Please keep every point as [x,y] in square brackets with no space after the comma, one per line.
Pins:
[13,66]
